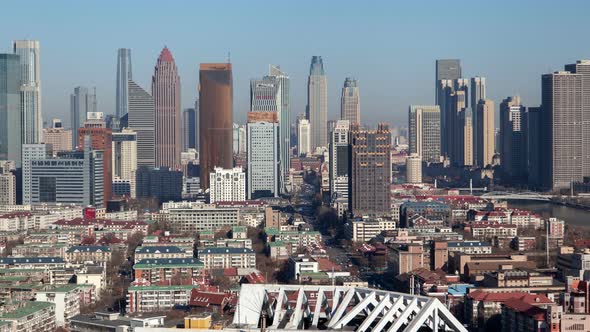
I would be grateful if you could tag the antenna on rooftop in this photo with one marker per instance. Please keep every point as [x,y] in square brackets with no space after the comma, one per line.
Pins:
[228,56]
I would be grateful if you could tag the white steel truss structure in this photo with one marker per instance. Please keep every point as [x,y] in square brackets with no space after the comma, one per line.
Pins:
[299,307]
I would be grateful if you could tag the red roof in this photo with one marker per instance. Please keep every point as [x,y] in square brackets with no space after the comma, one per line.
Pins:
[526,308]
[255,278]
[166,56]
[537,299]
[15,214]
[204,299]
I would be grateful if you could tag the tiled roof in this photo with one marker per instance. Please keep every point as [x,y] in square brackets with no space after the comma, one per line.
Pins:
[30,260]
[158,249]
[225,250]
[89,249]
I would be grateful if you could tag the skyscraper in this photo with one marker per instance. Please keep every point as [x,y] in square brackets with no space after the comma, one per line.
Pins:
[370,167]
[284,115]
[478,92]
[124,157]
[350,101]
[424,132]
[446,69]
[227,185]
[513,148]
[189,129]
[30,90]
[459,129]
[303,137]
[215,118]
[10,109]
[82,102]
[263,155]
[141,119]
[166,94]
[532,122]
[339,160]
[317,103]
[562,136]
[485,129]
[99,139]
[123,76]
[31,152]
[414,168]
[582,67]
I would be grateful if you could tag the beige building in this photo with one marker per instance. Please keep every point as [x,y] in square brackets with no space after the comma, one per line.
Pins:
[407,258]
[223,258]
[485,132]
[350,103]
[81,254]
[31,316]
[7,189]
[59,138]
[414,168]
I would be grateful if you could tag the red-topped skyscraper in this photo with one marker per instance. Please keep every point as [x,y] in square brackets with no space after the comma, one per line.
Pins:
[166,94]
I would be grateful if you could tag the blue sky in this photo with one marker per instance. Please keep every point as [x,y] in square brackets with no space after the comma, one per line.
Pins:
[390,46]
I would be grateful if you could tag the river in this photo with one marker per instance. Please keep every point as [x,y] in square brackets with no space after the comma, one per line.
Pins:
[571,215]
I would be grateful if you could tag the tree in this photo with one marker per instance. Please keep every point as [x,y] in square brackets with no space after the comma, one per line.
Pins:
[133,241]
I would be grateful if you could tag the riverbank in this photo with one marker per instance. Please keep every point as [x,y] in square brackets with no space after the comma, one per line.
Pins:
[570,214]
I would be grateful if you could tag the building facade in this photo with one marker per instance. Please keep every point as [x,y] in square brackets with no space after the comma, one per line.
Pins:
[82,102]
[317,103]
[303,137]
[189,129]
[350,101]
[10,109]
[263,155]
[124,157]
[124,75]
[215,118]
[339,159]
[512,147]
[31,152]
[370,166]
[166,94]
[30,90]
[414,168]
[141,119]
[424,132]
[485,141]
[284,117]
[562,129]
[227,185]
[99,139]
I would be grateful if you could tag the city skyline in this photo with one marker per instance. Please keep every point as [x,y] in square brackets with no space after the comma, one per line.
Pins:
[379,66]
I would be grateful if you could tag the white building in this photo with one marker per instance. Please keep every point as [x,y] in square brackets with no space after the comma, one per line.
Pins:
[414,169]
[225,257]
[32,118]
[7,189]
[124,156]
[227,185]
[66,299]
[30,152]
[263,158]
[31,316]
[364,230]
[303,137]
[195,217]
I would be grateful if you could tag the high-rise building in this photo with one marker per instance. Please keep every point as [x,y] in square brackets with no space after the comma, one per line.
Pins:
[284,116]
[350,101]
[485,129]
[459,129]
[339,159]
[161,183]
[414,168]
[141,120]
[59,138]
[7,189]
[73,177]
[453,96]
[303,137]
[123,76]
[446,69]
[99,139]
[31,152]
[444,90]
[215,118]
[478,92]
[317,103]
[30,90]
[582,67]
[189,129]
[370,167]
[227,185]
[424,132]
[532,123]
[562,129]
[10,109]
[263,155]
[124,157]
[82,102]
[166,94]
[513,147]
[239,145]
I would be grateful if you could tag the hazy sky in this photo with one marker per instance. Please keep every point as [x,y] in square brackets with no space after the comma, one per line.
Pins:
[390,46]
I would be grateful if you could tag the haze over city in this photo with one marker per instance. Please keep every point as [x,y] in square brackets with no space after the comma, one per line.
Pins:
[389,46]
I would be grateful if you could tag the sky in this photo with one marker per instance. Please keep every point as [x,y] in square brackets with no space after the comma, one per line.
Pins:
[389,46]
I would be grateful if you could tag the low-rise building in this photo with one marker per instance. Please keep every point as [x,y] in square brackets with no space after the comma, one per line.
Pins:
[165,270]
[31,316]
[406,258]
[157,298]
[300,266]
[222,258]
[95,254]
[66,299]
[363,230]
[492,230]
[470,247]
[146,252]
